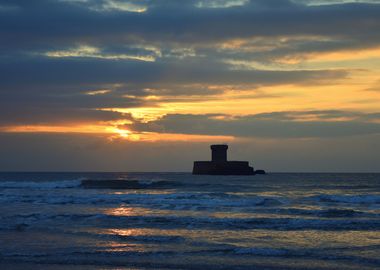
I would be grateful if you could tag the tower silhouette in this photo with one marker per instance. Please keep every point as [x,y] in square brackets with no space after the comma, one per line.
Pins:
[219,152]
[219,165]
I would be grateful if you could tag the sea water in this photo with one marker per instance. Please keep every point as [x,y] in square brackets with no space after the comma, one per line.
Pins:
[274,221]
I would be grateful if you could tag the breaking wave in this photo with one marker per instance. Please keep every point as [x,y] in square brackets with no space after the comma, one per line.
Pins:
[40,185]
[352,199]
[23,222]
[156,200]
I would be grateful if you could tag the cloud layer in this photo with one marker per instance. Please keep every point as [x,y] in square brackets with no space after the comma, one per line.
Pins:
[275,69]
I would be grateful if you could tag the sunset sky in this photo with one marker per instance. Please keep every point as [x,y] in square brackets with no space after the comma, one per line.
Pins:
[148,85]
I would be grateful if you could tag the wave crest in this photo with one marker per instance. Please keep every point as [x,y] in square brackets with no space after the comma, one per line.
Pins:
[41,185]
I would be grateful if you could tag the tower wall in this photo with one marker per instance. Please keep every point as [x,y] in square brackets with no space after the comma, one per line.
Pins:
[219,152]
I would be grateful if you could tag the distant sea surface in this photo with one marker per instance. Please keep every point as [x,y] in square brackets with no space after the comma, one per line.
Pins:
[274,221]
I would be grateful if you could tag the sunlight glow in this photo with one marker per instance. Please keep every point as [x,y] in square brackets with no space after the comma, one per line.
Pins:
[97,92]
[344,95]
[332,56]
[115,134]
[175,137]
[143,114]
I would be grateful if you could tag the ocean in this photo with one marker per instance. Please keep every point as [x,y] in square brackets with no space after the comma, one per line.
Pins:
[273,221]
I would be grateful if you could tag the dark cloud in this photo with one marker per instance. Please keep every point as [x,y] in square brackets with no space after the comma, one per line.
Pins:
[168,21]
[182,38]
[55,116]
[89,71]
[173,50]
[268,125]
[34,82]
[53,104]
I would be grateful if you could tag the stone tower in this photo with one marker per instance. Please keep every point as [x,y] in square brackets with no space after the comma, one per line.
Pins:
[219,165]
[219,152]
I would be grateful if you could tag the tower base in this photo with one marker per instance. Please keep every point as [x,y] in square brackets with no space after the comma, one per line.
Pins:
[222,168]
